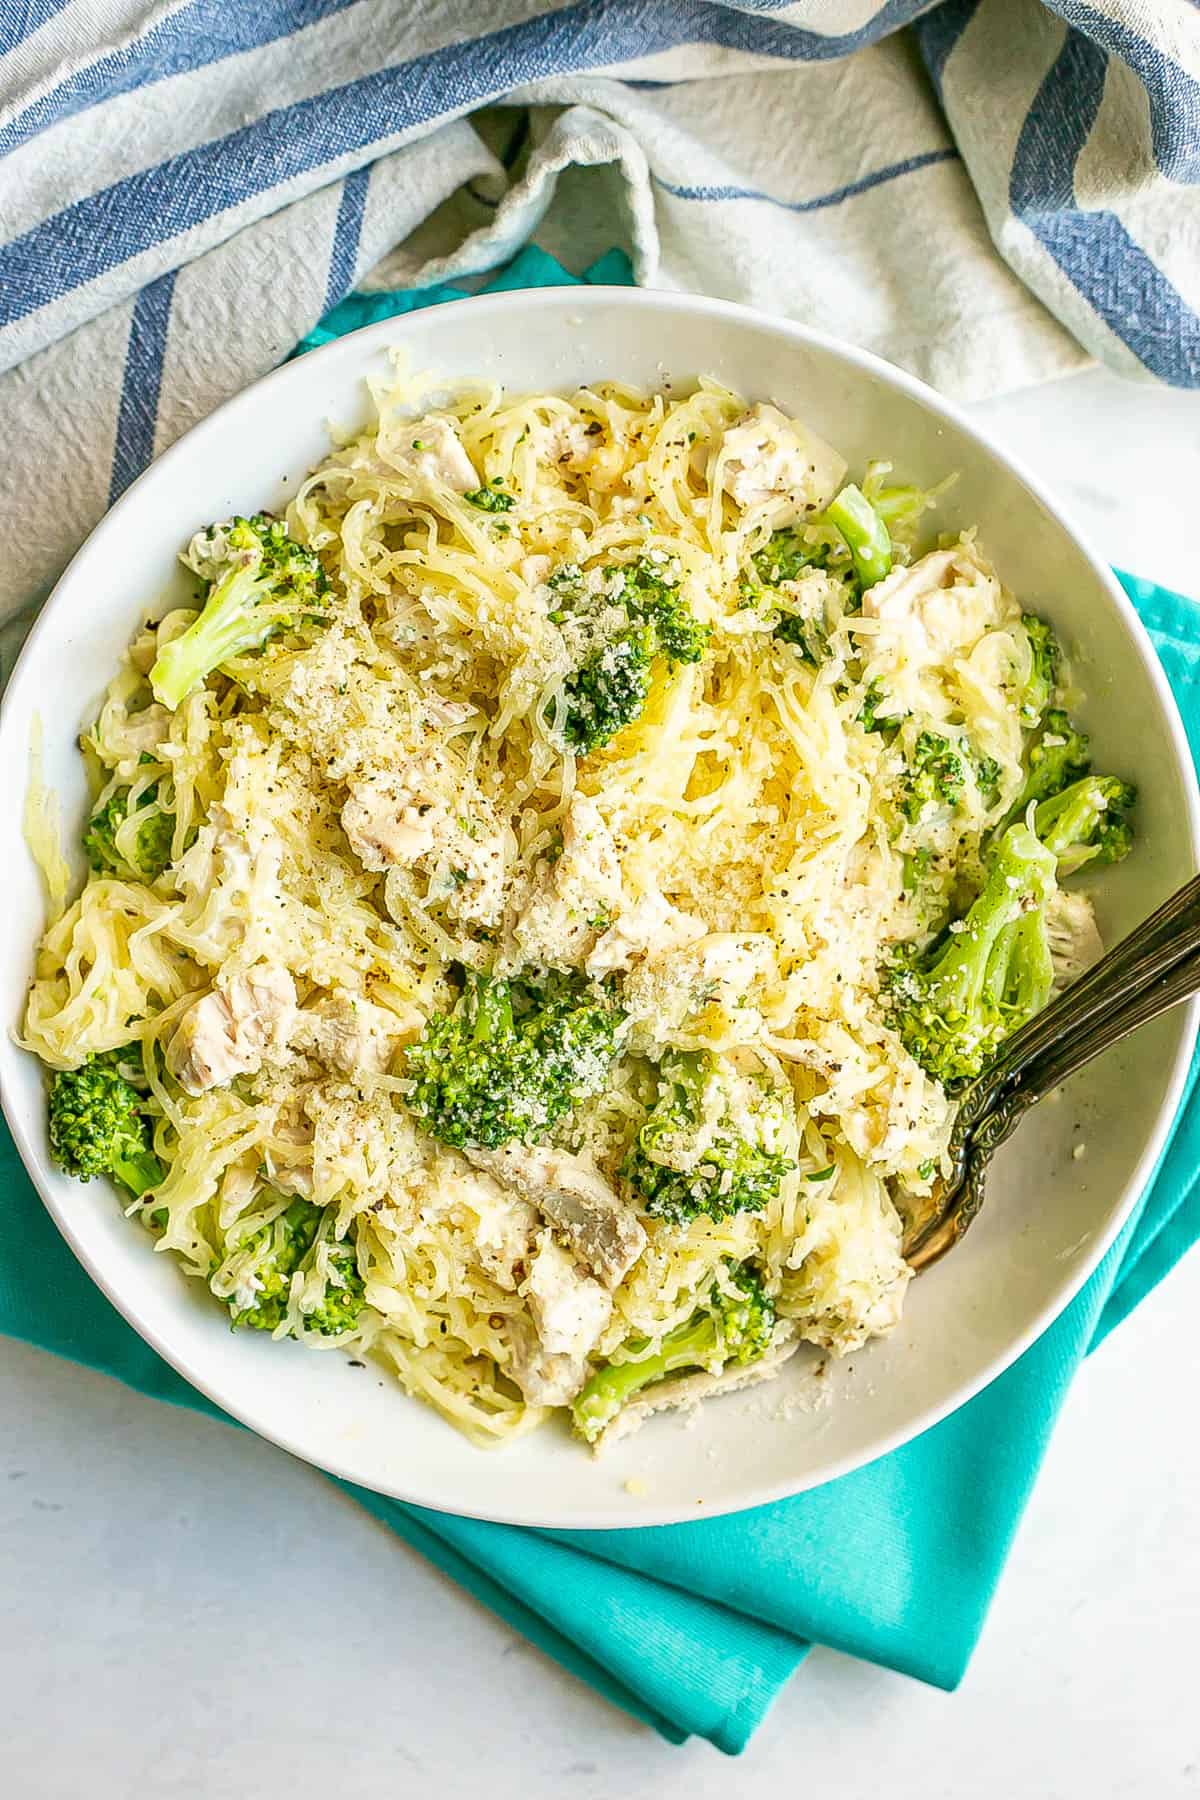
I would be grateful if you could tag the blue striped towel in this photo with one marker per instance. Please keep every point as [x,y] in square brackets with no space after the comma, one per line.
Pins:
[986,191]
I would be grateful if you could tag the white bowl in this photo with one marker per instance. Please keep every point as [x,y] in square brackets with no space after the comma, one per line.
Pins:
[1049,1216]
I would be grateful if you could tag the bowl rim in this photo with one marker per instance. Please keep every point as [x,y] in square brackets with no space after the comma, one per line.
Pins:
[360,345]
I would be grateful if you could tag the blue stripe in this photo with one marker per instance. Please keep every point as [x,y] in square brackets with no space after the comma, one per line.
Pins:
[138,415]
[19,19]
[1174,95]
[346,233]
[210,30]
[1092,248]
[86,240]
[939,31]
[205,32]
[834,198]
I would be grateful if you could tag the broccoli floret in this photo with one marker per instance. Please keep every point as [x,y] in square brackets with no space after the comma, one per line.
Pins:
[808,636]
[935,777]
[954,1006]
[619,632]
[265,1264]
[865,533]
[261,581]
[731,1328]
[491,499]
[1043,677]
[97,1126]
[987,776]
[608,690]
[510,1059]
[688,1158]
[153,832]
[650,595]
[1057,758]
[870,718]
[785,555]
[340,1309]
[1087,822]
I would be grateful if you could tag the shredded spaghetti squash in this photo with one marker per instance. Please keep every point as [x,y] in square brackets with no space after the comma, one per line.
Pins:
[495,937]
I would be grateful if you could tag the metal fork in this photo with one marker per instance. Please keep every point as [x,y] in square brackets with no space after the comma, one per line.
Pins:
[1152,969]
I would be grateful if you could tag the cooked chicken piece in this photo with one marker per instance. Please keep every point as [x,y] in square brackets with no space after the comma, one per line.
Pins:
[392,819]
[569,1312]
[690,1390]
[721,967]
[648,927]
[354,1035]
[567,443]
[533,570]
[937,607]
[569,1308]
[543,1378]
[434,453]
[773,458]
[555,925]
[232,1029]
[605,1233]
[504,1227]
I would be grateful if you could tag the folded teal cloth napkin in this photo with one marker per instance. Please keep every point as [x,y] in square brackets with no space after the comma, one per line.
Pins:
[694,1628]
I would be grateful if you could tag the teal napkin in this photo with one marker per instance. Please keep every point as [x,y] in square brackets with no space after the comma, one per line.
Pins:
[694,1628]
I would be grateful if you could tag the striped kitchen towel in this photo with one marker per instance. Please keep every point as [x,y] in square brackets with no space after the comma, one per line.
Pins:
[986,191]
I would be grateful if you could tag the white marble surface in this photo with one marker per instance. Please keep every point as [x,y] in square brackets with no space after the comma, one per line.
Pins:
[186,1612]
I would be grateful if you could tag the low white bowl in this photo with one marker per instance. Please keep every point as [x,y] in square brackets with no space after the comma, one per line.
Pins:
[1049,1216]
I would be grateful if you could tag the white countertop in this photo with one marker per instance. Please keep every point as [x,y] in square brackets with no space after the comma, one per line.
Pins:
[187,1612]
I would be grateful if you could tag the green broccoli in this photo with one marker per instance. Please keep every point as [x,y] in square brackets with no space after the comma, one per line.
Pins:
[265,1263]
[339,1310]
[510,1059]
[1058,757]
[787,553]
[1043,678]
[97,1125]
[730,1329]
[690,1157]
[491,499]
[260,581]
[935,776]
[1087,822]
[153,833]
[870,715]
[988,975]
[608,690]
[616,632]
[649,593]
[808,636]
[865,533]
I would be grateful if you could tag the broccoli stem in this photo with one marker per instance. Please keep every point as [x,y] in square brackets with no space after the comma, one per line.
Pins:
[978,960]
[694,1345]
[866,535]
[211,639]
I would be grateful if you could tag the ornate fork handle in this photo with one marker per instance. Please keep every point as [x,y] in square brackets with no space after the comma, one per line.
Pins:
[1153,969]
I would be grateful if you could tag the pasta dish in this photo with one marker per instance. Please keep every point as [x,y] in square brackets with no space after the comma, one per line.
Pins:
[546,890]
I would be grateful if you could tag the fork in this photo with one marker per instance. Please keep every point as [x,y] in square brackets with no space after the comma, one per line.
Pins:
[1154,968]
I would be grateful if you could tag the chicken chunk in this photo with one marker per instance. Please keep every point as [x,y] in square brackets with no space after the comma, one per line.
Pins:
[649,926]
[231,1030]
[555,916]
[392,818]
[354,1035]
[936,608]
[569,1311]
[431,451]
[773,459]
[569,1308]
[605,1233]
[504,1228]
